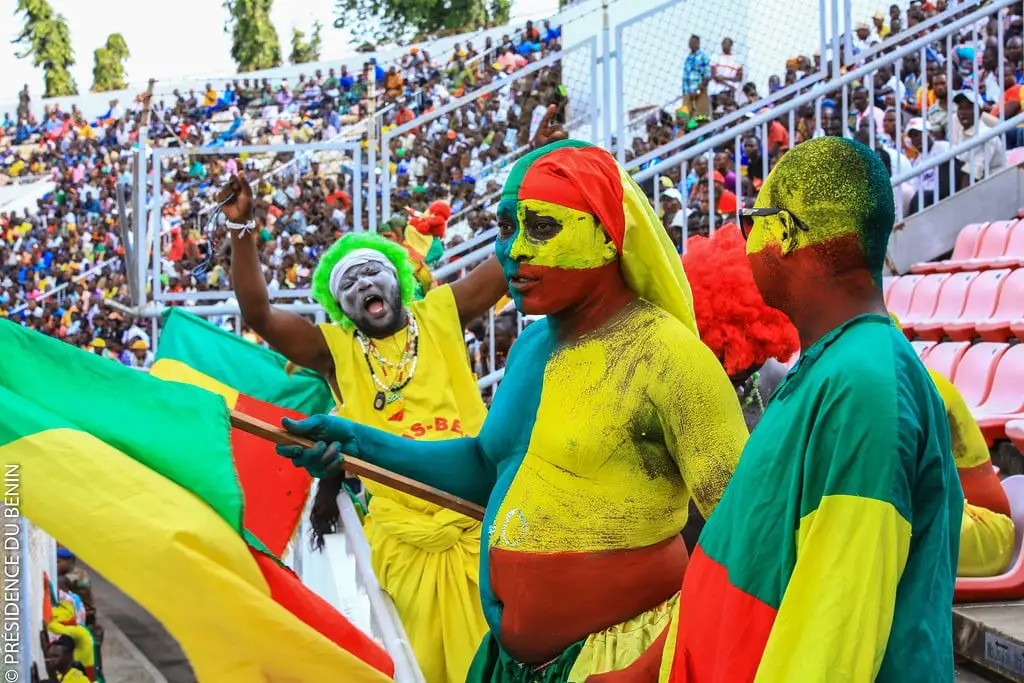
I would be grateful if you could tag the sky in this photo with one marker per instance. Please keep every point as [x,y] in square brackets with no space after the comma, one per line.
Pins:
[166,38]
[188,41]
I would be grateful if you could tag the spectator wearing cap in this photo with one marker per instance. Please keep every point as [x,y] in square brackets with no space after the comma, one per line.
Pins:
[991,157]
[138,355]
[98,346]
[863,38]
[881,30]
[696,76]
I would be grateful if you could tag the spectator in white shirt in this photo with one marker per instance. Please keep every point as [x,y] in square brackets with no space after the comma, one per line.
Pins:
[726,73]
[934,184]
[990,157]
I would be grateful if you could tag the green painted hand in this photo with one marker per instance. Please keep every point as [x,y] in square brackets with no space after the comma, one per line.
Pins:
[333,437]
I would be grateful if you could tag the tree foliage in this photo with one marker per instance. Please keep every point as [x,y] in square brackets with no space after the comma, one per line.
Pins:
[108,64]
[380,21]
[46,39]
[254,41]
[304,51]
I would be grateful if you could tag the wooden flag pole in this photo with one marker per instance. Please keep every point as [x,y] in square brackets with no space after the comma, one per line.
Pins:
[361,468]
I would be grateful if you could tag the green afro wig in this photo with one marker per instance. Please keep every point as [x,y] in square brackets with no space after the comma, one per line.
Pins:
[347,244]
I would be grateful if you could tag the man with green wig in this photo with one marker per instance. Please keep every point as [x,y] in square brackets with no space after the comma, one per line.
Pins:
[611,416]
[397,363]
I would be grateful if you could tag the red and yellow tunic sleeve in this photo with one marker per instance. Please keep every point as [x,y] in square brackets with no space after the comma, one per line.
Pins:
[853,540]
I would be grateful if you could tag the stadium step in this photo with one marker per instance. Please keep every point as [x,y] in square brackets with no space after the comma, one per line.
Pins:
[991,636]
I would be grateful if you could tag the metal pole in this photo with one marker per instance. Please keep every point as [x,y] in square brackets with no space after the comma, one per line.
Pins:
[606,72]
[595,124]
[953,152]
[357,189]
[139,222]
[811,95]
[371,138]
[620,98]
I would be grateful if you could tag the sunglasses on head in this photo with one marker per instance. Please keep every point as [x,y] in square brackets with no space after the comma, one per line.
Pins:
[747,219]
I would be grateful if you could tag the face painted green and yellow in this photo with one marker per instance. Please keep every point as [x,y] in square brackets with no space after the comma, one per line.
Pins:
[840,191]
[551,254]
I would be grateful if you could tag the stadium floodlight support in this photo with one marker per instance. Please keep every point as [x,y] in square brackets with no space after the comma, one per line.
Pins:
[386,138]
[818,91]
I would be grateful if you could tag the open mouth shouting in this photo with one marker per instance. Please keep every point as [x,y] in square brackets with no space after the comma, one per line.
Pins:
[374,305]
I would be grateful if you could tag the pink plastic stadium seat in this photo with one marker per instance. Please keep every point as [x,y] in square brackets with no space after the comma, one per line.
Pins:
[976,371]
[966,247]
[923,348]
[949,307]
[1010,585]
[1013,254]
[1005,402]
[943,358]
[981,302]
[1009,308]
[1015,432]
[900,295]
[992,246]
[922,305]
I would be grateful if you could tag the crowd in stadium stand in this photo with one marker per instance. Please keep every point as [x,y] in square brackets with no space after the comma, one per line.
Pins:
[307,202]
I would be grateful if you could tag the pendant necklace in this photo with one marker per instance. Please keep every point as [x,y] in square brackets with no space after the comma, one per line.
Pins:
[389,388]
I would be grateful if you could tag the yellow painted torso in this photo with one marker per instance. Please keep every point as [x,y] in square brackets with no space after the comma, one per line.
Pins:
[610,465]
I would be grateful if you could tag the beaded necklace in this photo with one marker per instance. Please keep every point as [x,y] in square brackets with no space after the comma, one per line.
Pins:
[388,394]
[754,394]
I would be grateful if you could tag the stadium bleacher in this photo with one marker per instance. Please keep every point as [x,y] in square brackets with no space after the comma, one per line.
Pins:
[979,308]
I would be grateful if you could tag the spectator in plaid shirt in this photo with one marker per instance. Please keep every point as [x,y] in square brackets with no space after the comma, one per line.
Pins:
[696,74]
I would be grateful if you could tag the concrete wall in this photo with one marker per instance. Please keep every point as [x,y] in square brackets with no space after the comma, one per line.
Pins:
[932,233]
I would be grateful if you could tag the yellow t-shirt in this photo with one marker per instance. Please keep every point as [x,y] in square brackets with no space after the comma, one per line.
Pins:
[969,448]
[73,676]
[442,401]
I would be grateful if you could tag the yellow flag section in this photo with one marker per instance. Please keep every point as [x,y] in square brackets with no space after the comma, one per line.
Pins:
[135,475]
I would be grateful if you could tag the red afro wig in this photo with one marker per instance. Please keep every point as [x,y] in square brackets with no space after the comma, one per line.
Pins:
[733,319]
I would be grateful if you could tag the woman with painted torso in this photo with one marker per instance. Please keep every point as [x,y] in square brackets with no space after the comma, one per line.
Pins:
[611,415]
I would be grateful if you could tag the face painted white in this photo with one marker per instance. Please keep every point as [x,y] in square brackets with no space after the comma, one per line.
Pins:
[369,294]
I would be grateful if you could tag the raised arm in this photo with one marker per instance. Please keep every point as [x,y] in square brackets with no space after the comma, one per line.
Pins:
[456,466]
[479,290]
[294,337]
[701,418]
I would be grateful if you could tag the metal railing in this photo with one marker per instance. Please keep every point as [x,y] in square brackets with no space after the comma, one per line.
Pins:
[590,107]
[759,123]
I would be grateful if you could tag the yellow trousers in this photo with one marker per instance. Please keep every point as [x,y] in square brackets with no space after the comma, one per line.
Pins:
[428,558]
[986,542]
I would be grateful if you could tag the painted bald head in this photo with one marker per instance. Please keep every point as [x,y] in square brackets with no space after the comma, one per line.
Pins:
[830,212]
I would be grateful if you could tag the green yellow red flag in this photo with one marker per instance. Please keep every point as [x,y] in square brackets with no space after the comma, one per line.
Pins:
[252,380]
[136,476]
